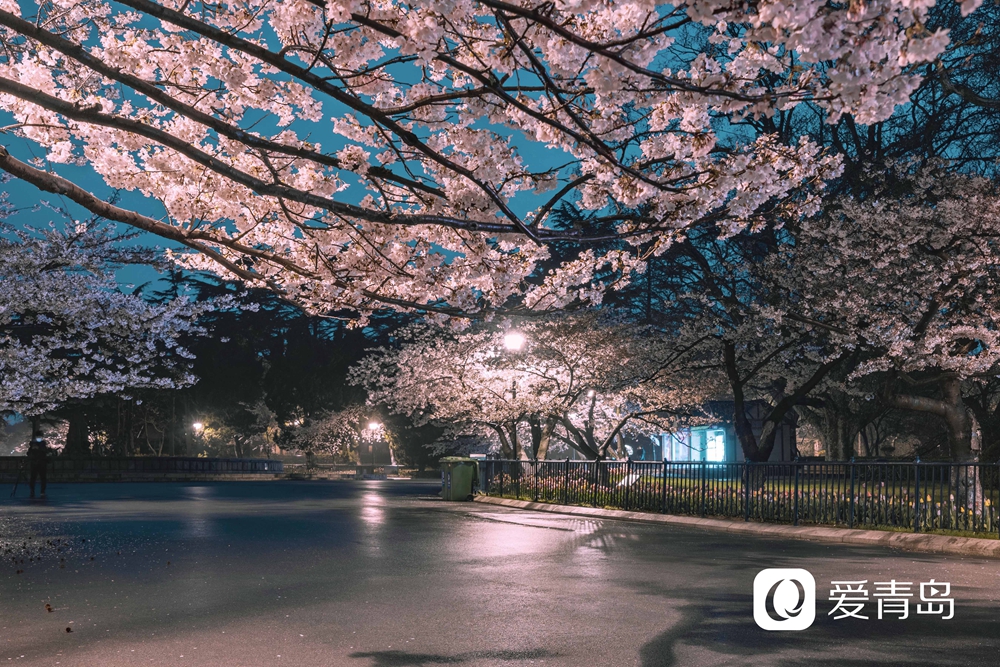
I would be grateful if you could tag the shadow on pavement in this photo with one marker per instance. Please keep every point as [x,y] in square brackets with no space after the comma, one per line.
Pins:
[404,659]
[719,625]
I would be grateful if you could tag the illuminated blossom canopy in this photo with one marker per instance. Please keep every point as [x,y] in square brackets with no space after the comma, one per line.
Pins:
[336,432]
[354,154]
[66,329]
[578,379]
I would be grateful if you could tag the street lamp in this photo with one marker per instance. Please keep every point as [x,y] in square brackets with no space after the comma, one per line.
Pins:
[514,341]
[198,428]
[374,427]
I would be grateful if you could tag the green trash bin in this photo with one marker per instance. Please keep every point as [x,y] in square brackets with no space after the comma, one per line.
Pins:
[458,475]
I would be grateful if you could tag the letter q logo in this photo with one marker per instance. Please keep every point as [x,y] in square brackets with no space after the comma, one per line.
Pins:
[784,599]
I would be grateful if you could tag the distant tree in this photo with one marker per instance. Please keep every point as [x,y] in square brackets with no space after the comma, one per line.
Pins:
[68,331]
[336,433]
[575,379]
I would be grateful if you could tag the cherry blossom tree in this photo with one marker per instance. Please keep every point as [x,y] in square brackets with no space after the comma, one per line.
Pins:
[453,380]
[909,278]
[725,299]
[870,305]
[912,278]
[66,329]
[339,433]
[576,379]
[358,154]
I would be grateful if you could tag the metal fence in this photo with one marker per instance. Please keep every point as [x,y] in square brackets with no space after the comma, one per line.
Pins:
[914,496]
[146,464]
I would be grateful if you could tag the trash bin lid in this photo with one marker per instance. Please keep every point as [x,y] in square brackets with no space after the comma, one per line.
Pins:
[457,459]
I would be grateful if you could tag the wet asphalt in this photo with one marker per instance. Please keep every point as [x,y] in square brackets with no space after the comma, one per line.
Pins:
[383,574]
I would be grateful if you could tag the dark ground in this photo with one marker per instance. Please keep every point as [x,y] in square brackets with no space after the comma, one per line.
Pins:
[381,574]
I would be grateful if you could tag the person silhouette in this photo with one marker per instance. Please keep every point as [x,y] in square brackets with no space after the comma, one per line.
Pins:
[38,460]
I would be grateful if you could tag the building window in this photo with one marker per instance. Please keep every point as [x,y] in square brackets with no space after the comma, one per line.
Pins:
[701,444]
[715,445]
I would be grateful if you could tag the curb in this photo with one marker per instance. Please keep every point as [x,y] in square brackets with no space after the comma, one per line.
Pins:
[935,544]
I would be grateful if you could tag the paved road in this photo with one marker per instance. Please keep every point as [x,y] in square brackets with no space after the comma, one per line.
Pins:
[381,574]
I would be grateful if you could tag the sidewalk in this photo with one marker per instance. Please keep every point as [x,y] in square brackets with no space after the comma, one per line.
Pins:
[937,544]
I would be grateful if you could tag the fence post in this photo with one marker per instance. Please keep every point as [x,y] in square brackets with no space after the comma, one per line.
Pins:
[628,484]
[597,464]
[850,516]
[916,499]
[663,490]
[566,482]
[746,489]
[704,483]
[795,500]
[535,467]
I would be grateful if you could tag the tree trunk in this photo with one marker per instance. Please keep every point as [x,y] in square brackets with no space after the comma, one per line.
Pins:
[839,427]
[839,438]
[518,452]
[989,429]
[173,425]
[506,451]
[759,449]
[78,436]
[541,436]
[949,407]
[965,479]
[959,422]
[129,444]
[741,423]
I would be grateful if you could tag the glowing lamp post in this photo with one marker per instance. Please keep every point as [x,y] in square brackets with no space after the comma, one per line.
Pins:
[373,430]
[514,341]
[198,427]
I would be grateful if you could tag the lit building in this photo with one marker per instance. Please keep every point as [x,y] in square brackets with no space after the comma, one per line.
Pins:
[717,442]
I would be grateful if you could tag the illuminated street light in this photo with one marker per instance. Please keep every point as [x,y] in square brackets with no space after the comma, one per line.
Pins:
[375,435]
[590,394]
[198,428]
[513,341]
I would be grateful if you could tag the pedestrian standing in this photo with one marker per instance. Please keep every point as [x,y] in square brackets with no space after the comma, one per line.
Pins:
[38,461]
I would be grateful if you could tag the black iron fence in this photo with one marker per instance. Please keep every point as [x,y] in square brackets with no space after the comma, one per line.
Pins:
[146,464]
[913,496]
